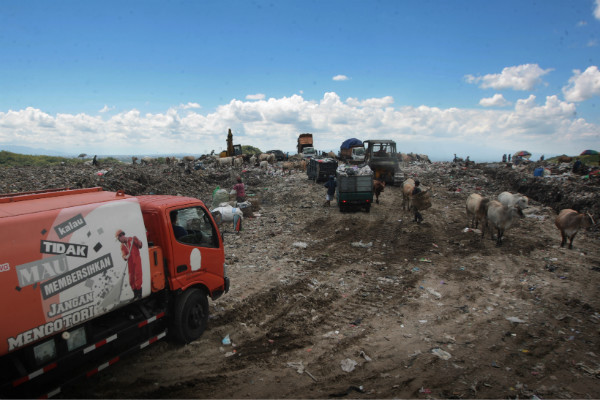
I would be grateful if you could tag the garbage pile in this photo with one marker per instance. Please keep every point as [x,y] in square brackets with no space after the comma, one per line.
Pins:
[351,170]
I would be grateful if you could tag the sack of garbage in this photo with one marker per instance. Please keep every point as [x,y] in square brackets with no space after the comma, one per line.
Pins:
[228,213]
[422,200]
[220,196]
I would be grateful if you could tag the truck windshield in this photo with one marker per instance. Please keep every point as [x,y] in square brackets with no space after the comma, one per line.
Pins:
[358,151]
[381,150]
[309,150]
[193,226]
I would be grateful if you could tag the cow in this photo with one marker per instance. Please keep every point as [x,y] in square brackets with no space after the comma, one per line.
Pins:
[407,189]
[564,159]
[238,161]
[569,222]
[501,217]
[378,187]
[509,199]
[477,207]
[225,161]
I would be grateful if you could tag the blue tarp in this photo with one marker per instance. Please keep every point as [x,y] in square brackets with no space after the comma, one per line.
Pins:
[346,144]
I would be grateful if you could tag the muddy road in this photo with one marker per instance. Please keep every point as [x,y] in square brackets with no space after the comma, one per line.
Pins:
[372,305]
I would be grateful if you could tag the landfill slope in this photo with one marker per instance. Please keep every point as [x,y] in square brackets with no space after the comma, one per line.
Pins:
[372,305]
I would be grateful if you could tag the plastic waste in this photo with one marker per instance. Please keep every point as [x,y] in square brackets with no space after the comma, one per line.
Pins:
[444,355]
[348,365]
[226,340]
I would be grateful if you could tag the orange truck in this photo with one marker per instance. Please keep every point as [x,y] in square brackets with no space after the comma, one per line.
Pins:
[89,276]
[304,140]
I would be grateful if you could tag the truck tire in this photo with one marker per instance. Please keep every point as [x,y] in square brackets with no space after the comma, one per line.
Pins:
[190,317]
[368,208]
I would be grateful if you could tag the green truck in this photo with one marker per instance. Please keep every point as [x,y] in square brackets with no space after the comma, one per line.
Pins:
[354,191]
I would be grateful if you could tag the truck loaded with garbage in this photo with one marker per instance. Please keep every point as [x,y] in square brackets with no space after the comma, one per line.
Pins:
[89,276]
[354,189]
[352,151]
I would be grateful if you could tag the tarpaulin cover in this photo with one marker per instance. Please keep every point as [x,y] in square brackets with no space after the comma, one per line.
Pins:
[351,143]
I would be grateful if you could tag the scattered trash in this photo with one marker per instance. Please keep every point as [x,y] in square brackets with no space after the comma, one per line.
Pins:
[423,259]
[416,269]
[348,365]
[226,340]
[433,292]
[301,245]
[516,320]
[347,391]
[444,355]
[424,390]
[298,366]
[589,370]
[361,244]
[365,356]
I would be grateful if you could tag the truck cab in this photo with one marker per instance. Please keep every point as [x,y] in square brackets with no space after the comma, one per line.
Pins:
[309,152]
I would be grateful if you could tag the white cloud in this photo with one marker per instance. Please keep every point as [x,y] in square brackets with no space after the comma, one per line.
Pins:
[592,43]
[520,77]
[276,123]
[597,10]
[106,109]
[583,86]
[258,96]
[340,78]
[189,106]
[496,100]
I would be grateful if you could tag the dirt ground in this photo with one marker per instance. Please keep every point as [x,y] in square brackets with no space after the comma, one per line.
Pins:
[372,305]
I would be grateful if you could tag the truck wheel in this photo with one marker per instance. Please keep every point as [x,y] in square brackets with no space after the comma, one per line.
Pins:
[368,208]
[191,315]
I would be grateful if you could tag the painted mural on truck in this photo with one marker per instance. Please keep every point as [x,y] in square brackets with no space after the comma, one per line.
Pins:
[88,261]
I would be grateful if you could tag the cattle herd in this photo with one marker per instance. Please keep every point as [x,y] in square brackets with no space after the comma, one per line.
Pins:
[498,215]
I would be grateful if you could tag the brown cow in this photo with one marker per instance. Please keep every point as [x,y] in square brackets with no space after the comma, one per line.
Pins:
[378,187]
[407,189]
[569,222]
[564,159]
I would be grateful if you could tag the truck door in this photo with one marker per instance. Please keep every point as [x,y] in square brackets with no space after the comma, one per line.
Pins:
[198,254]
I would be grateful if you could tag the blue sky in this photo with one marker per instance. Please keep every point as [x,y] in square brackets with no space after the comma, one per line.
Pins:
[477,78]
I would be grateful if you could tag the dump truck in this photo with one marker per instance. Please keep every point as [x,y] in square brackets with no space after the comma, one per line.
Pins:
[89,276]
[304,140]
[382,158]
[354,191]
[352,151]
[319,169]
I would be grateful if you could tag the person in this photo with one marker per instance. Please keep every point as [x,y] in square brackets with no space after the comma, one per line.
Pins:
[94,161]
[179,231]
[509,156]
[417,190]
[330,185]
[542,157]
[130,250]
[504,157]
[240,190]
[577,166]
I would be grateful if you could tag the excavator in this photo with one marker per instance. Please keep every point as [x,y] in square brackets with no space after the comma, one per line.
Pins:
[232,149]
